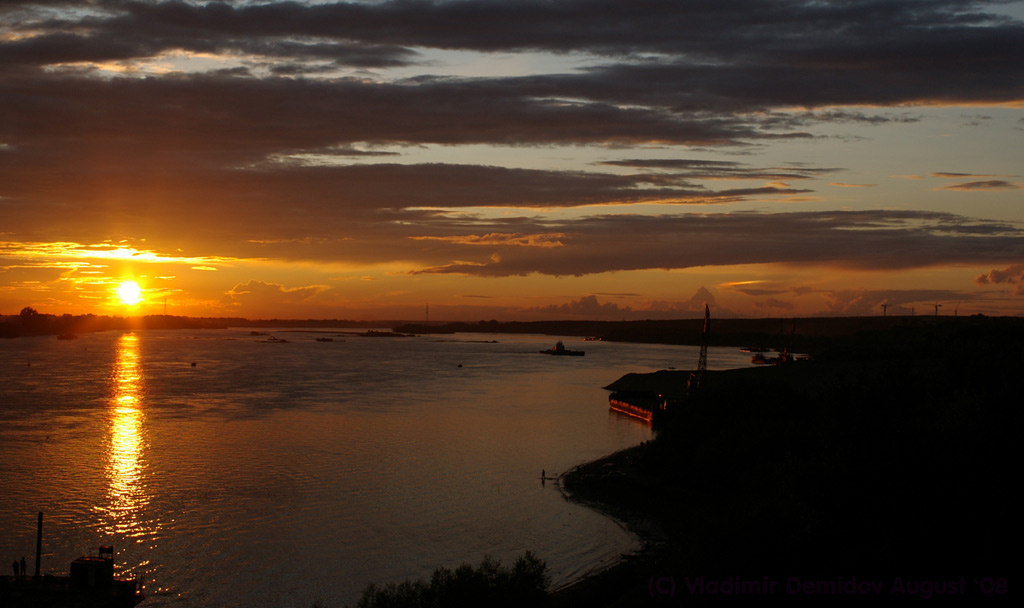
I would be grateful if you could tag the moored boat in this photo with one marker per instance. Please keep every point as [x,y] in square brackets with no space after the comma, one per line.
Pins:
[560,349]
[91,583]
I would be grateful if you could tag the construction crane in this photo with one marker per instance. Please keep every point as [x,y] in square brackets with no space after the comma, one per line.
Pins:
[702,363]
[937,307]
[884,308]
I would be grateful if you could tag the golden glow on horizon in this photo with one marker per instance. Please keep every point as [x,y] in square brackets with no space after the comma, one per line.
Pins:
[59,278]
[129,293]
[99,251]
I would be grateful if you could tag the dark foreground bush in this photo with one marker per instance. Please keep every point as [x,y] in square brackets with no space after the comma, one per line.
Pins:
[490,584]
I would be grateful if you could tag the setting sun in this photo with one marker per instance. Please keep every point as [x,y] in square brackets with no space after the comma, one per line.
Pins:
[129,293]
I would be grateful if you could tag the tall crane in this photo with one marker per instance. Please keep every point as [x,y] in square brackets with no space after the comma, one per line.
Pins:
[702,363]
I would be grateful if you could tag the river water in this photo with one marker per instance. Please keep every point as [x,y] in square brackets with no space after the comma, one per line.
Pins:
[281,474]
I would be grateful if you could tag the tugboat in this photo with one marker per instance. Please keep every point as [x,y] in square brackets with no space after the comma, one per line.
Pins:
[560,349]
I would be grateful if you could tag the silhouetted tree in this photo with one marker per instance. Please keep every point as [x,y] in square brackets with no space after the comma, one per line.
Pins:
[490,584]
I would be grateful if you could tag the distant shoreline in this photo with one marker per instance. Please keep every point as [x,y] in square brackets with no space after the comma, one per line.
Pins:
[807,334]
[37,324]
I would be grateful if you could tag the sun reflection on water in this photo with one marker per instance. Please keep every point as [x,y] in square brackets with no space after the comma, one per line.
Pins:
[126,464]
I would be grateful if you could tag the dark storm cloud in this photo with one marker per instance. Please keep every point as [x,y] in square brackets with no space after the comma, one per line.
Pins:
[712,169]
[704,62]
[227,120]
[62,47]
[721,28]
[1013,275]
[866,240]
[989,184]
[207,160]
[716,56]
[362,189]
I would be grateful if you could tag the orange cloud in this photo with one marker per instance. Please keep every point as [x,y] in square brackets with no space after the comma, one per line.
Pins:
[1011,274]
[503,239]
[271,293]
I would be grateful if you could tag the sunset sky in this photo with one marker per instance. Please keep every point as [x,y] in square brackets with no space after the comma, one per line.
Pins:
[512,159]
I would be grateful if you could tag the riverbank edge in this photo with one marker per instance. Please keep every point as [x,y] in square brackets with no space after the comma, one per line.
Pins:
[621,581]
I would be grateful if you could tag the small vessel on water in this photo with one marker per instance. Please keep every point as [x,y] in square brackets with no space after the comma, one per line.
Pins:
[92,583]
[560,349]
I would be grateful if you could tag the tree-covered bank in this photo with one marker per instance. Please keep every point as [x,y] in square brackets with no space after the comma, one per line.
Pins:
[30,322]
[808,334]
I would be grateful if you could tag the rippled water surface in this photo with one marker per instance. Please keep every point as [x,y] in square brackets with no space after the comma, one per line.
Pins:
[279,474]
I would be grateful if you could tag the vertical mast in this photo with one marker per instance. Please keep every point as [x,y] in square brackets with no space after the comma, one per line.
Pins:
[702,363]
[39,544]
